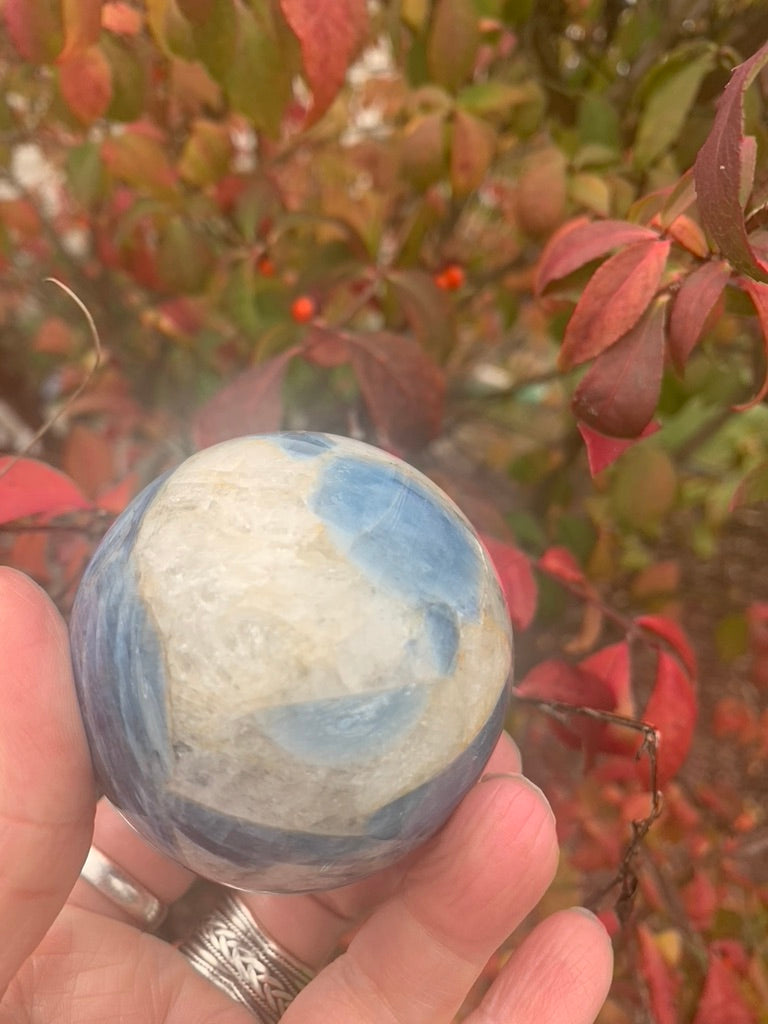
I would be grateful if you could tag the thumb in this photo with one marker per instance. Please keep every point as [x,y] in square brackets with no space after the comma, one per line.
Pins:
[47,792]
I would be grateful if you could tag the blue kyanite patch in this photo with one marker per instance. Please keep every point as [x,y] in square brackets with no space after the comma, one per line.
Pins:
[341,730]
[302,446]
[394,529]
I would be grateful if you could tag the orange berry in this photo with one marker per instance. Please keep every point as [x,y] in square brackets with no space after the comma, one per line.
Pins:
[265,266]
[303,309]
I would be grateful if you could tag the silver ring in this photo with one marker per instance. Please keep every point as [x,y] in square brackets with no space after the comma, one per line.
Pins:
[122,890]
[234,952]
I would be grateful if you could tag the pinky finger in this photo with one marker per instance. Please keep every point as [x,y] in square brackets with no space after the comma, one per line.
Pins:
[561,974]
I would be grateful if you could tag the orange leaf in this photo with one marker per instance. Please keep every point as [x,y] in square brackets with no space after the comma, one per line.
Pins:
[473,146]
[613,301]
[251,404]
[619,393]
[120,18]
[693,304]
[672,710]
[580,241]
[330,35]
[517,580]
[82,26]
[85,83]
[30,487]
[688,234]
[403,389]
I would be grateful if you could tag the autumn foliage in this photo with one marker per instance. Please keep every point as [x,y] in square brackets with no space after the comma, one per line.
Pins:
[521,244]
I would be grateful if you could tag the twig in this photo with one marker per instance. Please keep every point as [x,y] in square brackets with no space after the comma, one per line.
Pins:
[626,876]
[78,390]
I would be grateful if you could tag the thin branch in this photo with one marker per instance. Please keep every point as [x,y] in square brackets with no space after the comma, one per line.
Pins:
[625,878]
[80,388]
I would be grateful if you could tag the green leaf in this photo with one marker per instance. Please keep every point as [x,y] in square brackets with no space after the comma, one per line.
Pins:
[599,123]
[215,39]
[206,153]
[414,13]
[129,82]
[259,83]
[669,102]
[454,38]
[494,99]
[183,256]
[171,30]
[85,173]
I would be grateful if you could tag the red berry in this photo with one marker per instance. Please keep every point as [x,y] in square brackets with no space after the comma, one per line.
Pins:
[454,276]
[451,278]
[265,266]
[303,309]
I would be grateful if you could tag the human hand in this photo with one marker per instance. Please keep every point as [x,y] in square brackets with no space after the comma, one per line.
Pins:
[425,928]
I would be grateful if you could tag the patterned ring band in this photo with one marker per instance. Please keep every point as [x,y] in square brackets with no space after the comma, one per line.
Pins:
[122,890]
[233,952]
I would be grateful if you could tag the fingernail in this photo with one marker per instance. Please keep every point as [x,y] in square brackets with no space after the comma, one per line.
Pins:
[490,776]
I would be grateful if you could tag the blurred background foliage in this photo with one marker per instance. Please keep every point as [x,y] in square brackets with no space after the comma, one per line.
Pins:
[329,216]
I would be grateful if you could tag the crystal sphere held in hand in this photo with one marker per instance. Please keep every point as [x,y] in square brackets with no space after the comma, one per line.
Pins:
[292,657]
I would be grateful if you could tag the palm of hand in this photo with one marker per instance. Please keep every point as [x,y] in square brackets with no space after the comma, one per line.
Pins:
[424,929]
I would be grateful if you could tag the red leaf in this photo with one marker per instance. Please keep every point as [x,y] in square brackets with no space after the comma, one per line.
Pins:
[560,681]
[718,171]
[673,634]
[697,297]
[251,404]
[88,458]
[721,1000]
[330,35]
[619,393]
[758,292]
[612,666]
[326,348]
[403,388]
[613,301]
[580,241]
[30,487]
[603,451]
[672,710]
[85,83]
[560,563]
[82,26]
[662,983]
[517,580]
[700,899]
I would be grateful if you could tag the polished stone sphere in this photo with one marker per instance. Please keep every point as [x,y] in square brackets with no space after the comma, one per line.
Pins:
[292,657]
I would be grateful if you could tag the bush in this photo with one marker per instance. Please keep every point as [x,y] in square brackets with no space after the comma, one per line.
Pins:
[521,244]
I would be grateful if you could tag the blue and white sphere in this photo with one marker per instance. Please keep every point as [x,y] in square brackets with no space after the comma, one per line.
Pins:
[292,657]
